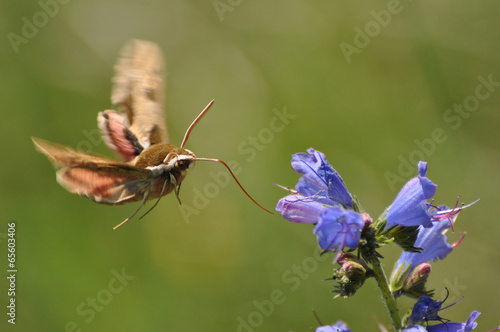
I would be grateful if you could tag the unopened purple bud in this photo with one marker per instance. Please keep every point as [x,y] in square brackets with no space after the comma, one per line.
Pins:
[345,257]
[351,275]
[353,268]
[367,219]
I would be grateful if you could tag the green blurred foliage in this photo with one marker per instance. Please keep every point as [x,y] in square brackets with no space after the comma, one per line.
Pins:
[256,56]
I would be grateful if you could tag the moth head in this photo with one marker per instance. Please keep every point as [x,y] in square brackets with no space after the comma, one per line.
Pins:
[180,160]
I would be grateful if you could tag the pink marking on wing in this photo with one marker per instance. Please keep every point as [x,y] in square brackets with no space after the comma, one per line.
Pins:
[96,185]
[113,126]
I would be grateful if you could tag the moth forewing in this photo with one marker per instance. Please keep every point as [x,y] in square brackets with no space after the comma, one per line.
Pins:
[100,179]
[138,88]
[105,187]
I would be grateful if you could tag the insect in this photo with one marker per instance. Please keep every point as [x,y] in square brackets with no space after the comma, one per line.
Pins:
[152,167]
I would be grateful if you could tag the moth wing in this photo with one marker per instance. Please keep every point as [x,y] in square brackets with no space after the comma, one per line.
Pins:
[138,88]
[100,179]
[107,185]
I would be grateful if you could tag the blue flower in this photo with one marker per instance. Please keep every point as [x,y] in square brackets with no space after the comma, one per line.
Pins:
[339,228]
[410,208]
[319,179]
[339,326]
[321,198]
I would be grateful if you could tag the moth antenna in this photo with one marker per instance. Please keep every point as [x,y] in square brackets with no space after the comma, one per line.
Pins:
[135,212]
[158,200]
[188,131]
[235,179]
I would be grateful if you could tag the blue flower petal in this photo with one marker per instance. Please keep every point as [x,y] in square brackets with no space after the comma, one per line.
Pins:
[320,179]
[410,208]
[415,328]
[339,326]
[422,168]
[457,327]
[339,228]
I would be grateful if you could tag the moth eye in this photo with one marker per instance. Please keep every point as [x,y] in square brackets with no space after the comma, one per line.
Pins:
[182,164]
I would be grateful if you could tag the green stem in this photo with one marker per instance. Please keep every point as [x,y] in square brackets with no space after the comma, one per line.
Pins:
[390,301]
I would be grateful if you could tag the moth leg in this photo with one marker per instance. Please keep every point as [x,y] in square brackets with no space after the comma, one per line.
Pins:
[176,187]
[161,195]
[146,194]
[168,159]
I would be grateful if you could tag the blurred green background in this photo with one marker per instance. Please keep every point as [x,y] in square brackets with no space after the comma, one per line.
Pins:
[369,111]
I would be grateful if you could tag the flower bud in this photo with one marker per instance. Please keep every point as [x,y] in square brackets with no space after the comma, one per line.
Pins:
[351,275]
[414,285]
[405,237]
